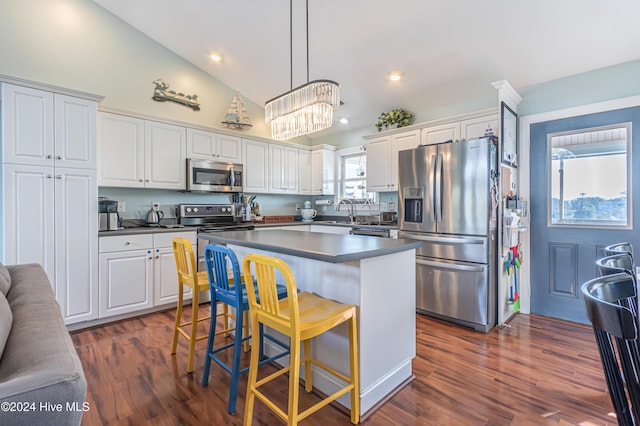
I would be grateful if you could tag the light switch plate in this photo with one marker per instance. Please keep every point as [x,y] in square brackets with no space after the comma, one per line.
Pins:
[120,206]
[155,206]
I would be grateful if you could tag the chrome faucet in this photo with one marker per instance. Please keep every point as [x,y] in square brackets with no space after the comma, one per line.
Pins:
[367,203]
[351,211]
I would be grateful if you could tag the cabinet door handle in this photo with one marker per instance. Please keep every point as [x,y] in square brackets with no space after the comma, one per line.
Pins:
[58,176]
[49,157]
[127,243]
[146,180]
[49,176]
[58,157]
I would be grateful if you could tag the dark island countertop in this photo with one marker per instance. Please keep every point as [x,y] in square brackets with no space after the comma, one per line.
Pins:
[334,248]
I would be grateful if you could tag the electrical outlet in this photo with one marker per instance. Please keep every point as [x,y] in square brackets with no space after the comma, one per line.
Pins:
[155,206]
[120,206]
[297,206]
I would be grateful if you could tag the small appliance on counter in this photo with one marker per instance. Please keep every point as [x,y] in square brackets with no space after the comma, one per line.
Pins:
[307,212]
[154,216]
[108,217]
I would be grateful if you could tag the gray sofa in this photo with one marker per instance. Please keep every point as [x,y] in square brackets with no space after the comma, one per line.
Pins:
[41,377]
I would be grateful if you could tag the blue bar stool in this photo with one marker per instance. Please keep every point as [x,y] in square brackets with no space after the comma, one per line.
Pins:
[232,292]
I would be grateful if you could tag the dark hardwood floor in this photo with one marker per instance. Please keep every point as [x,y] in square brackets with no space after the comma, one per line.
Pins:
[538,371]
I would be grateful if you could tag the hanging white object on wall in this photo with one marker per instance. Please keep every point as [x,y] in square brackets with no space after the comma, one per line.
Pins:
[237,117]
[161,94]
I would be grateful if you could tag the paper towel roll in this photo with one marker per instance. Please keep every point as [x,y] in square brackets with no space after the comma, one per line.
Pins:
[323,202]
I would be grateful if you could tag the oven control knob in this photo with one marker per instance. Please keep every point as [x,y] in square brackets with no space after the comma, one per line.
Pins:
[195,209]
[188,209]
[224,209]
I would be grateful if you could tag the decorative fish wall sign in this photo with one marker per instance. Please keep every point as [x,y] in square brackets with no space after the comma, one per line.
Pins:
[161,94]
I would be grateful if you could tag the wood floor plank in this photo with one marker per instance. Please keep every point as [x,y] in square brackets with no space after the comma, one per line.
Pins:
[537,371]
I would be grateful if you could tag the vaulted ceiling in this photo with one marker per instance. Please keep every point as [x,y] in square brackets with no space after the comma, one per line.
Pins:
[449,51]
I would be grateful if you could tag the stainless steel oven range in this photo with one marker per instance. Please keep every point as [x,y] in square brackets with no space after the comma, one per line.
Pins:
[210,218]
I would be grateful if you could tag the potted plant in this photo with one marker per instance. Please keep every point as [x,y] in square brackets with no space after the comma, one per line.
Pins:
[397,117]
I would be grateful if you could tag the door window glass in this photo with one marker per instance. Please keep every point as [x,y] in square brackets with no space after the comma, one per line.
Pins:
[590,177]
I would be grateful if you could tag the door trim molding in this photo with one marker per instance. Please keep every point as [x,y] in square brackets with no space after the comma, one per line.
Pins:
[525,169]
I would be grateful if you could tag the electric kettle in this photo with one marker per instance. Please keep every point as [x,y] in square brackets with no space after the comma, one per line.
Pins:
[154,217]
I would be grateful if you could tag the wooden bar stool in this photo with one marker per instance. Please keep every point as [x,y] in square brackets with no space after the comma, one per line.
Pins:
[301,316]
[189,276]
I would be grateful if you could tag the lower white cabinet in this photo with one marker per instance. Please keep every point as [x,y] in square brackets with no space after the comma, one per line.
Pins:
[165,275]
[126,274]
[49,218]
[138,272]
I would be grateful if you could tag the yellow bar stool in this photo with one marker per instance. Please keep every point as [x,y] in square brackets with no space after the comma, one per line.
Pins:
[189,276]
[301,316]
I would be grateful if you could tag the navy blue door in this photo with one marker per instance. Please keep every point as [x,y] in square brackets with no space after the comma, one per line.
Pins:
[563,257]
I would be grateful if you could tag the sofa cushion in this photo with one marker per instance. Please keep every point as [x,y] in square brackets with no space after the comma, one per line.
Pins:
[5,280]
[40,363]
[6,319]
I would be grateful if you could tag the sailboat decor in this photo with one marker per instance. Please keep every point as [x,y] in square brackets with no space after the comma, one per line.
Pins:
[237,117]
[161,94]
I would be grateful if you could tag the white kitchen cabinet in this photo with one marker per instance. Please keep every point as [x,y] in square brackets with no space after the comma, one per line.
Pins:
[323,170]
[126,274]
[41,128]
[165,275]
[50,218]
[256,166]
[283,169]
[165,156]
[328,229]
[213,146]
[135,153]
[149,260]
[441,133]
[476,127]
[459,130]
[382,159]
[121,151]
[304,171]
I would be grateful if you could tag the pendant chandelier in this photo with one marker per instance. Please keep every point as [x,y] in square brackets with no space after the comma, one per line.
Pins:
[307,108]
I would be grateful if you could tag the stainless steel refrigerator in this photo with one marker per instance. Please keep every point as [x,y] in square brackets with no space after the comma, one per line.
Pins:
[448,200]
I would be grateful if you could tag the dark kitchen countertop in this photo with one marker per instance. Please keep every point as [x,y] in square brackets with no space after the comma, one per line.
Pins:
[333,248]
[132,230]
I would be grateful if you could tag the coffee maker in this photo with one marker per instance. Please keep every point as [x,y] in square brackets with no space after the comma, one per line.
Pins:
[108,217]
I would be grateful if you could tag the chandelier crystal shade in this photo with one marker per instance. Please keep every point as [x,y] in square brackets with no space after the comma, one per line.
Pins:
[303,110]
[307,108]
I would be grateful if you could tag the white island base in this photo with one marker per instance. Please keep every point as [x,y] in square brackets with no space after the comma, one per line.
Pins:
[383,289]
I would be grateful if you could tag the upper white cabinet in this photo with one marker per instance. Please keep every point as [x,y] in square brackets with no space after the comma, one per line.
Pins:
[477,127]
[121,151]
[441,133]
[41,128]
[459,130]
[323,170]
[283,169]
[165,156]
[256,165]
[304,171]
[213,146]
[136,153]
[382,159]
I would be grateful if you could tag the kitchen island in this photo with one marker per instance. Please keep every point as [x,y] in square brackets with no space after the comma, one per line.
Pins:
[375,274]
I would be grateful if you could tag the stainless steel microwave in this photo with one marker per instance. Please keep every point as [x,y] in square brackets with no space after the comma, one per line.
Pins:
[214,176]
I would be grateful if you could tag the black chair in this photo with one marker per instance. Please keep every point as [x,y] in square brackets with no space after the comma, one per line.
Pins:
[619,248]
[616,264]
[616,331]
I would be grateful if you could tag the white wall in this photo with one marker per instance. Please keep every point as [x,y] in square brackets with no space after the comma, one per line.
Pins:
[78,45]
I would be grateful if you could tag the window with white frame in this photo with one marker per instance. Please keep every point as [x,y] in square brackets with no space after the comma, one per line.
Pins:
[353,175]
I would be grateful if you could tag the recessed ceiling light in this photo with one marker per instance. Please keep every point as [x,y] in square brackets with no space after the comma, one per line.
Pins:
[216,57]
[396,76]
[344,120]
